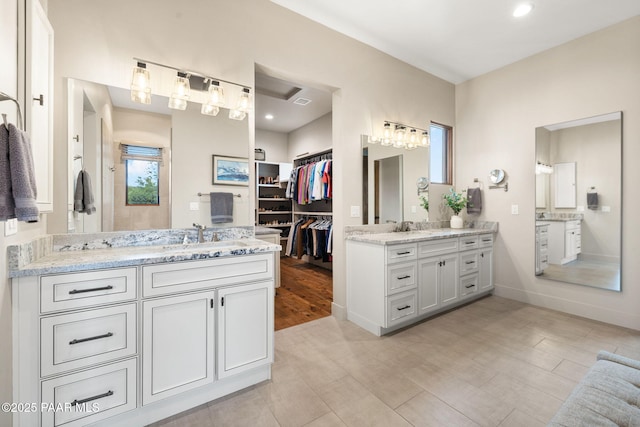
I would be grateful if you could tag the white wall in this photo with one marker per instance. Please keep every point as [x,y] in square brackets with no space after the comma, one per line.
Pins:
[311,138]
[275,145]
[299,50]
[496,117]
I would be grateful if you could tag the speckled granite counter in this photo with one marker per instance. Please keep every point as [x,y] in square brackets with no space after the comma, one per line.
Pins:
[546,216]
[383,234]
[67,253]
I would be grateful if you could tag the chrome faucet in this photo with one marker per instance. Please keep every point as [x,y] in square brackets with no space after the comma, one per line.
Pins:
[404,226]
[214,237]
[200,229]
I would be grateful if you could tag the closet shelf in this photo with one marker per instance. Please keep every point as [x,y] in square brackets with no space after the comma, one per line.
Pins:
[310,213]
[274,212]
[273,199]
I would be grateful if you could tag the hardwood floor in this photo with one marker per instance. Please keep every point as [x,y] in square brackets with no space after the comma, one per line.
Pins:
[305,293]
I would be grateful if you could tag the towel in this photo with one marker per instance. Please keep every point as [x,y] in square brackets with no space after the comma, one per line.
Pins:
[592,201]
[23,177]
[83,196]
[221,207]
[474,201]
[7,205]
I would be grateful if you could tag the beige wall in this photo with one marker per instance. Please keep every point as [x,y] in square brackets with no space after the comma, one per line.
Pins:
[496,117]
[391,90]
[147,129]
[274,144]
[311,138]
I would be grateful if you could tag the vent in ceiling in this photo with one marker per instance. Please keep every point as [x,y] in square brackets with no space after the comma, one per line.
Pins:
[301,101]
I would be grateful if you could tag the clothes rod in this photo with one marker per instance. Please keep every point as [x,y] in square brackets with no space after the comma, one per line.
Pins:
[206,194]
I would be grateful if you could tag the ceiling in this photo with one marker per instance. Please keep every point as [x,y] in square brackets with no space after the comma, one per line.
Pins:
[457,40]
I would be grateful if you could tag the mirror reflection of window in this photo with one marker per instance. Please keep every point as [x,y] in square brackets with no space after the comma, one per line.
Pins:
[440,163]
[142,168]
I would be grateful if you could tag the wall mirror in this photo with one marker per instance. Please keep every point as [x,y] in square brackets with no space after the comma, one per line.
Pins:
[578,201]
[100,118]
[389,182]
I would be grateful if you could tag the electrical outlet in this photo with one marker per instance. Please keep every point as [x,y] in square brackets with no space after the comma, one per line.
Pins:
[194,206]
[355,211]
[606,209]
[580,208]
[514,210]
[11,227]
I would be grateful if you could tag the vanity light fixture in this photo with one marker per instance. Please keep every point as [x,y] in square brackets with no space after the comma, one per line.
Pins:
[425,141]
[213,97]
[141,84]
[181,91]
[399,138]
[543,168]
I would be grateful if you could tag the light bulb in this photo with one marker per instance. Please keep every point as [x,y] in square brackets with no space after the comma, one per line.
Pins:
[399,134]
[244,103]
[141,84]
[180,94]
[387,131]
[425,139]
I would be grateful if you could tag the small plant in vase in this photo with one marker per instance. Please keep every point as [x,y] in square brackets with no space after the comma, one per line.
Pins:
[457,202]
[424,202]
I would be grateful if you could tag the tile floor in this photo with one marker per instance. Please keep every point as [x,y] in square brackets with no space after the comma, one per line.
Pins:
[494,362]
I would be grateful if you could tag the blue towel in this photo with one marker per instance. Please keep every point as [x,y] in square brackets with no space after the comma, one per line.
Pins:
[221,207]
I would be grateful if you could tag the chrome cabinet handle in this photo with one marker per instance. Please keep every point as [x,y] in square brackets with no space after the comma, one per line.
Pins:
[81,291]
[89,399]
[97,337]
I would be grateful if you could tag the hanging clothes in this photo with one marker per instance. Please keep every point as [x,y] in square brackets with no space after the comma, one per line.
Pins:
[310,182]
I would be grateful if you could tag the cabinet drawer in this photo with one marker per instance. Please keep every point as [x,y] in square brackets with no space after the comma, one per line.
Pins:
[469,242]
[437,247]
[401,307]
[165,279]
[401,277]
[398,253]
[485,240]
[78,340]
[468,285]
[79,290]
[92,395]
[468,262]
[572,224]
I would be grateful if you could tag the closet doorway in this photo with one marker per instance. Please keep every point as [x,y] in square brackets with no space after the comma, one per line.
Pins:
[294,142]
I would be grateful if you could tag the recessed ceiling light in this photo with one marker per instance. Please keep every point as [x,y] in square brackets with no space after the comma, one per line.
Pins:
[269,117]
[523,9]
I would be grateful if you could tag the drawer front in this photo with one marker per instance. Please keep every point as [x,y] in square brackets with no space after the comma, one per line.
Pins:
[485,240]
[437,247]
[399,253]
[544,261]
[469,242]
[91,395]
[176,277]
[468,285]
[544,245]
[401,277]
[468,262]
[572,224]
[78,340]
[401,307]
[80,290]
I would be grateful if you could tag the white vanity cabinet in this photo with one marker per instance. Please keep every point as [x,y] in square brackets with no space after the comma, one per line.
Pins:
[542,247]
[564,240]
[391,286]
[142,343]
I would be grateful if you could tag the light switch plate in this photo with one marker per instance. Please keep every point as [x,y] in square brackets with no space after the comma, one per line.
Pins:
[414,209]
[11,227]
[606,209]
[514,210]
[194,206]
[580,209]
[355,211]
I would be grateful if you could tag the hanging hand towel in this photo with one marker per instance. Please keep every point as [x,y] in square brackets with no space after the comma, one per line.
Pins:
[592,201]
[221,207]
[23,177]
[474,203]
[83,196]
[78,195]
[7,206]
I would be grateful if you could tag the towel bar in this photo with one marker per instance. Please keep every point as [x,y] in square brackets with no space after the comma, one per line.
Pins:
[5,97]
[206,194]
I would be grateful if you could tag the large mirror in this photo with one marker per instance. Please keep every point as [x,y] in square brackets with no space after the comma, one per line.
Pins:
[578,201]
[101,119]
[393,183]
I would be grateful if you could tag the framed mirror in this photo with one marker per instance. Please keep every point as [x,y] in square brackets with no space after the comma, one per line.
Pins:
[578,201]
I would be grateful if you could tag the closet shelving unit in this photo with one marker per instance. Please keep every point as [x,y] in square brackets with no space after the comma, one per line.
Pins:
[273,209]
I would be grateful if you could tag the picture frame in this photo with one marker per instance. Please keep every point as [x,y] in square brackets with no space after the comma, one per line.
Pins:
[227,170]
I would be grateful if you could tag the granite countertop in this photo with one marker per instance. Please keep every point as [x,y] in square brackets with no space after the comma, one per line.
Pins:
[413,236]
[76,260]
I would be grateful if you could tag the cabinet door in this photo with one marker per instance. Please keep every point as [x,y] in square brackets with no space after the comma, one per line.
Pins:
[178,344]
[570,244]
[486,270]
[245,327]
[40,101]
[449,279]
[428,289]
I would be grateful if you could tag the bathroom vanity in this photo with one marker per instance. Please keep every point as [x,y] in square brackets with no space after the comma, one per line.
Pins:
[131,335]
[396,279]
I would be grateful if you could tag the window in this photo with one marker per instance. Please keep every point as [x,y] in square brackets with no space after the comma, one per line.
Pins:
[142,168]
[441,161]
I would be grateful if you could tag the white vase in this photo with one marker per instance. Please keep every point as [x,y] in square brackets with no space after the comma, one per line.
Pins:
[456,222]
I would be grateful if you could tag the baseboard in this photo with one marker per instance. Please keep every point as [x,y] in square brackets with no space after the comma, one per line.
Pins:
[575,308]
[338,311]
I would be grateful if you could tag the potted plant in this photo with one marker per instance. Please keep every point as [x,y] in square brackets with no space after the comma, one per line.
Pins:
[456,201]
[424,202]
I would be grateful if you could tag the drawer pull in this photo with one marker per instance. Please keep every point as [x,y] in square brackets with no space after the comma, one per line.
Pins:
[89,399]
[470,262]
[403,308]
[469,242]
[97,337]
[404,277]
[486,240]
[81,291]
[403,253]
[469,286]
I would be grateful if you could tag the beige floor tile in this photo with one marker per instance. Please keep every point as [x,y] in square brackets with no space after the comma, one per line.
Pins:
[393,388]
[427,410]
[520,419]
[631,352]
[245,409]
[571,370]
[568,351]
[328,420]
